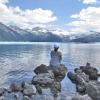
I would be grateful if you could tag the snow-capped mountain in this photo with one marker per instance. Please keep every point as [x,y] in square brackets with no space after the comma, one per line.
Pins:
[7,34]
[91,36]
[38,34]
[57,31]
[27,36]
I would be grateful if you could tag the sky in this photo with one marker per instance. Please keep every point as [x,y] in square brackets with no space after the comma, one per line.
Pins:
[67,16]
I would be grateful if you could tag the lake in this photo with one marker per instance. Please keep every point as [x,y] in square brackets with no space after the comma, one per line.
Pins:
[18,60]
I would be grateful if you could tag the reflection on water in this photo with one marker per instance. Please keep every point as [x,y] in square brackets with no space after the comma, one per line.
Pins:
[17,61]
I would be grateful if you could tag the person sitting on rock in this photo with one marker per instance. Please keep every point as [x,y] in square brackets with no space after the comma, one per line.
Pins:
[56,66]
[56,57]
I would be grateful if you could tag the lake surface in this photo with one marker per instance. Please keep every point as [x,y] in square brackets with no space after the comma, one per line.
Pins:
[17,61]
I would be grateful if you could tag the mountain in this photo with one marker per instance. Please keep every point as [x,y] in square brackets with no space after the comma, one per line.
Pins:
[44,35]
[25,35]
[92,36]
[38,34]
[7,34]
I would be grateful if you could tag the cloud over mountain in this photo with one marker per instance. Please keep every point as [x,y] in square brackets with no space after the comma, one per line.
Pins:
[24,18]
[88,19]
[85,19]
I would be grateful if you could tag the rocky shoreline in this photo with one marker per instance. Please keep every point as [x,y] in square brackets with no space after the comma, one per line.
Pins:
[48,79]
[86,81]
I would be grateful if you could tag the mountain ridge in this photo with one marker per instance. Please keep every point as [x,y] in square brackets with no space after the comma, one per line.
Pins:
[37,34]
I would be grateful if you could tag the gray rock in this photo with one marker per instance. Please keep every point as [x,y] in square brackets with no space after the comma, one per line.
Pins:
[15,87]
[39,89]
[45,79]
[81,88]
[78,77]
[91,71]
[79,97]
[93,90]
[73,77]
[49,78]
[56,88]
[41,69]
[59,73]
[29,89]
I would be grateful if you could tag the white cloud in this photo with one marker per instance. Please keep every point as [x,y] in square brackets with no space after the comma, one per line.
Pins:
[89,1]
[88,19]
[24,18]
[59,31]
[3,1]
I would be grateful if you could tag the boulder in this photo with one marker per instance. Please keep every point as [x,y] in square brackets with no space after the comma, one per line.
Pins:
[81,88]
[15,87]
[72,77]
[59,72]
[39,89]
[78,78]
[29,89]
[55,88]
[41,69]
[93,90]
[49,77]
[45,79]
[91,71]
[80,97]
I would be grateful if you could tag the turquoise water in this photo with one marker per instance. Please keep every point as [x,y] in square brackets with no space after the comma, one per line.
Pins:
[17,60]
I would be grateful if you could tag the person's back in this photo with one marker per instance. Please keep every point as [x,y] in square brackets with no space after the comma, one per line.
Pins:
[56,57]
